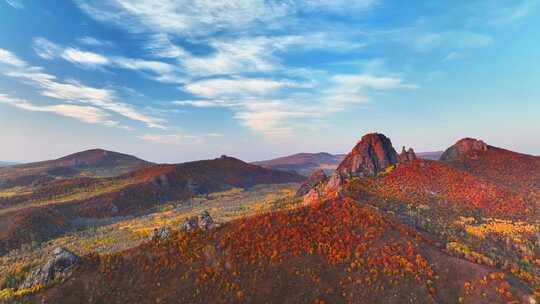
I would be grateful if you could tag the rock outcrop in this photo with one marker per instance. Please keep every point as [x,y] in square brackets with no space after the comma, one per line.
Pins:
[202,221]
[57,268]
[465,148]
[315,178]
[370,156]
[407,155]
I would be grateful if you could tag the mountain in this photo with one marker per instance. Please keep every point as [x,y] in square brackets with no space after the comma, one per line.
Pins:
[395,229]
[304,163]
[92,163]
[5,164]
[430,155]
[128,194]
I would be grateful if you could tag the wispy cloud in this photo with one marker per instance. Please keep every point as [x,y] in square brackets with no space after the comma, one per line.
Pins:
[235,87]
[85,114]
[87,59]
[17,4]
[177,138]
[45,48]
[72,90]
[91,41]
[8,58]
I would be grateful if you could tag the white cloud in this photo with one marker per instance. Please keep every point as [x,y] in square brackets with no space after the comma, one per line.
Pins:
[235,87]
[45,48]
[91,41]
[452,56]
[6,57]
[86,114]
[353,83]
[206,103]
[427,41]
[157,67]
[74,91]
[17,4]
[84,58]
[178,138]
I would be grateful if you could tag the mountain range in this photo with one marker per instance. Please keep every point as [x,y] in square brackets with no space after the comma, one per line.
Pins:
[381,227]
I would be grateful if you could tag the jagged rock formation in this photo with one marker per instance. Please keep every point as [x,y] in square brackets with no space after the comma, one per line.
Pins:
[315,178]
[370,156]
[407,155]
[56,268]
[202,221]
[465,148]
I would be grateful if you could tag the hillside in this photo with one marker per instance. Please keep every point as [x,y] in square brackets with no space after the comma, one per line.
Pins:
[5,164]
[304,163]
[129,194]
[512,169]
[430,155]
[91,163]
[394,229]
[334,252]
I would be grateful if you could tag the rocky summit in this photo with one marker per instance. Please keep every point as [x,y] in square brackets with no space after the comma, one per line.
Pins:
[407,155]
[370,156]
[465,148]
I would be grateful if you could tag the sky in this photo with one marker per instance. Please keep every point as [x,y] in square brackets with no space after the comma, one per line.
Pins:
[173,81]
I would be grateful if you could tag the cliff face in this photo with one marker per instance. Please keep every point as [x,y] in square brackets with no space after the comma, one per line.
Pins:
[370,156]
[373,153]
[407,155]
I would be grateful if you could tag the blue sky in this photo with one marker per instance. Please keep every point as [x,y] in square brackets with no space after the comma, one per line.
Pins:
[174,81]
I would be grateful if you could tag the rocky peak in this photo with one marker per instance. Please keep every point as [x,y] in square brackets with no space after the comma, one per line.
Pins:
[407,155]
[467,147]
[370,156]
[315,178]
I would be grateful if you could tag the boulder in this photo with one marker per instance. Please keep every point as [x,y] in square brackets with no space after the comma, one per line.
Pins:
[57,268]
[202,221]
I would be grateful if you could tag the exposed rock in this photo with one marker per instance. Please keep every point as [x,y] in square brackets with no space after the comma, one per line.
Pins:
[467,147]
[370,156]
[57,268]
[161,234]
[407,155]
[202,221]
[315,178]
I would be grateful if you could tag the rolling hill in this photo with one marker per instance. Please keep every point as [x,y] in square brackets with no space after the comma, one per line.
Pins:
[393,229]
[303,163]
[127,194]
[90,163]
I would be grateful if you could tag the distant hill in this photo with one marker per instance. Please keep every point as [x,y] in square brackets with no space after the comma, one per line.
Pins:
[90,163]
[512,169]
[304,163]
[126,194]
[430,155]
[4,163]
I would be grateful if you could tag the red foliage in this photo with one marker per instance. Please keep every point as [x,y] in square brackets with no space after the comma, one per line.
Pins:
[427,181]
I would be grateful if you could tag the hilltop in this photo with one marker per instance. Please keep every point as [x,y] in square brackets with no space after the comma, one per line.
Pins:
[90,163]
[304,163]
[127,194]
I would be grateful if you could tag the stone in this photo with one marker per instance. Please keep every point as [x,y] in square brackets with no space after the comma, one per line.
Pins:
[202,221]
[57,268]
